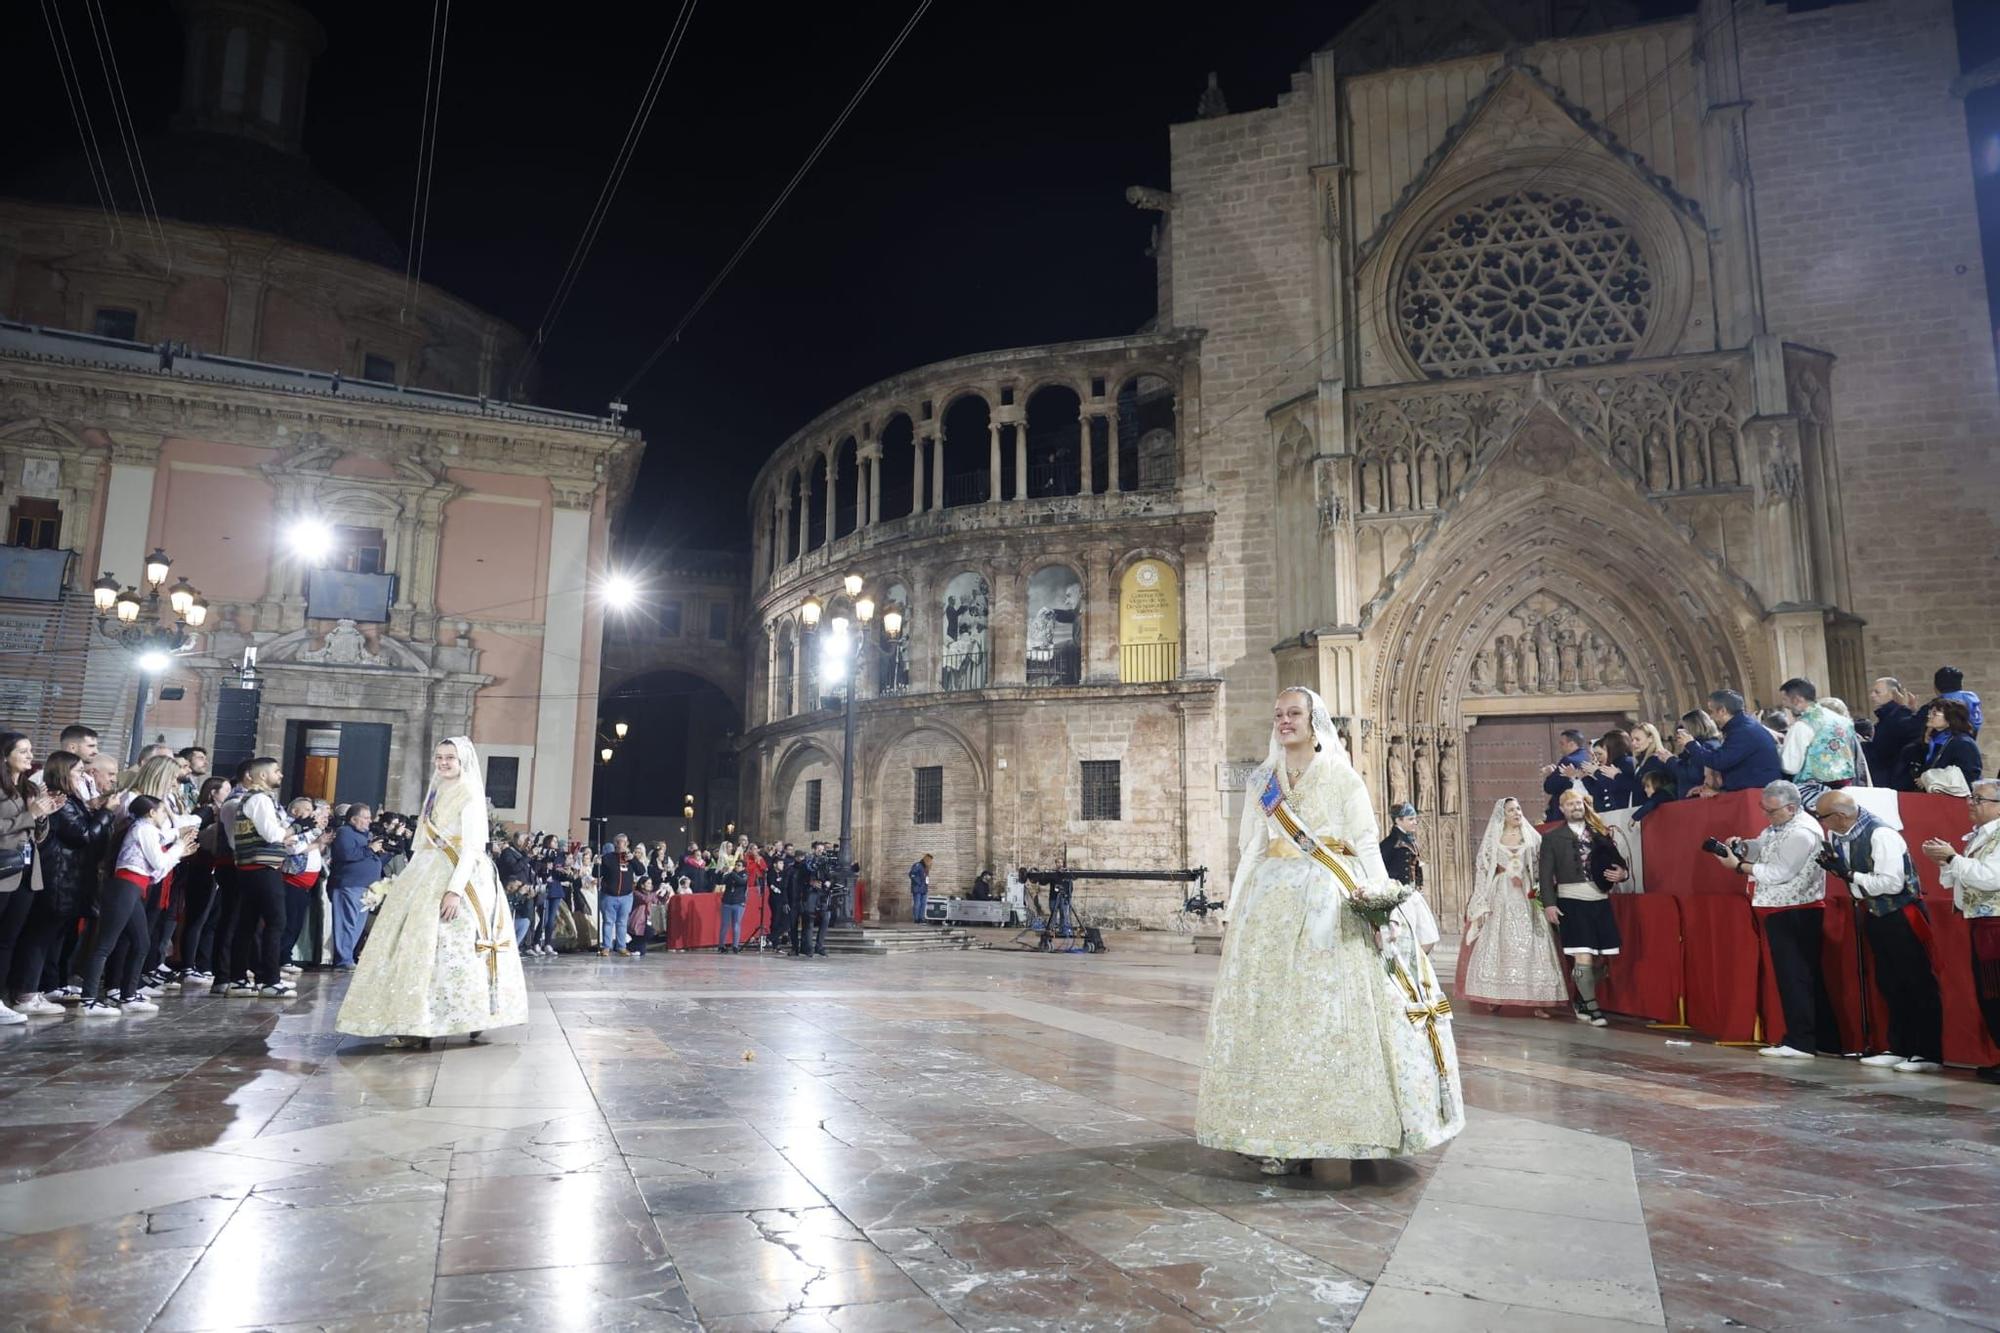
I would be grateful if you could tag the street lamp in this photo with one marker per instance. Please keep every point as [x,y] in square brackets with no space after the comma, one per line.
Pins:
[605,754]
[619,729]
[841,661]
[149,626]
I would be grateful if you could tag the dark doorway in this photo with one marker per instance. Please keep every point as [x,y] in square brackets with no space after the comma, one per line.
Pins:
[338,762]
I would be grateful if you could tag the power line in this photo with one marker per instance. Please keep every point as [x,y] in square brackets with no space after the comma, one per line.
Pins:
[674,335]
[420,202]
[128,129]
[79,111]
[620,164]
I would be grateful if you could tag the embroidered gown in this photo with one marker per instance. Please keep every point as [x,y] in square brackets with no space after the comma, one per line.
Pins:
[1312,1051]
[1514,959]
[422,977]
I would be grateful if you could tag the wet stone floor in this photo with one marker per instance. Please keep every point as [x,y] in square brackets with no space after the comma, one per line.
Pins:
[979,1140]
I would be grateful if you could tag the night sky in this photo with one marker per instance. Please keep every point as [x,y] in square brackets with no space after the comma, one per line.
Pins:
[975,200]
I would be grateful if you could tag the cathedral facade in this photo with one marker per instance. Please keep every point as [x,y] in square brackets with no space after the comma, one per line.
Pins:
[1533,368]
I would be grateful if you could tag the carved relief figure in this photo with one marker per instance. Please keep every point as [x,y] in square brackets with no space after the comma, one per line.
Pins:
[1482,666]
[1694,472]
[1587,669]
[1531,669]
[1722,447]
[1509,678]
[1447,777]
[1659,467]
[1420,760]
[1546,651]
[1399,481]
[1399,771]
[1571,666]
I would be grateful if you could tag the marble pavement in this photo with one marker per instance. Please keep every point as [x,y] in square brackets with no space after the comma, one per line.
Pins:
[982,1141]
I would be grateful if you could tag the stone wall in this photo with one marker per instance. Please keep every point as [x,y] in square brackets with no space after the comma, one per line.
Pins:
[1870,246]
[1242,259]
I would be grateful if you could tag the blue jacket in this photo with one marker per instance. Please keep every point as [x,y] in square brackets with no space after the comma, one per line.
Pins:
[1555,784]
[350,865]
[920,878]
[1746,756]
[1971,702]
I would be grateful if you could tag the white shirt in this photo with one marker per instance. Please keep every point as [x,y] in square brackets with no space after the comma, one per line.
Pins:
[1886,879]
[1783,872]
[149,850]
[1973,876]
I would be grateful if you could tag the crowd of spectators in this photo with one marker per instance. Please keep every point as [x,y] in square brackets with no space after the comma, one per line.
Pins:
[1906,744]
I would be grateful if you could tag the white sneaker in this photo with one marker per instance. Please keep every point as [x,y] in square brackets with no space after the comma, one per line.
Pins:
[36,1006]
[8,1018]
[149,992]
[290,969]
[1786,1053]
[1882,1061]
[140,1007]
[239,989]
[101,1009]
[284,992]
[1914,1065]
[68,995]
[171,983]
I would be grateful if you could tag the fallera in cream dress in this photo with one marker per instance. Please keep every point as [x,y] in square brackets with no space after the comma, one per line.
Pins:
[1312,1048]
[422,977]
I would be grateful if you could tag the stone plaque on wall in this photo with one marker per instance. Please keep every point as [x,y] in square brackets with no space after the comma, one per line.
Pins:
[1234,776]
[22,634]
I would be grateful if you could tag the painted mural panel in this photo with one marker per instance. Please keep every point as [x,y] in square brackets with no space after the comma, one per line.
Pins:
[967,637]
[1055,626]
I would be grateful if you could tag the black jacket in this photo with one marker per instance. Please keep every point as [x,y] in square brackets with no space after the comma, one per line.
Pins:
[73,855]
[1896,729]
[735,888]
[615,879]
[1399,856]
[513,866]
[1561,863]
[1960,752]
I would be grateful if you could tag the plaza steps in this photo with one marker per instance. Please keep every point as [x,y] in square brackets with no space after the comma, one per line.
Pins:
[874,941]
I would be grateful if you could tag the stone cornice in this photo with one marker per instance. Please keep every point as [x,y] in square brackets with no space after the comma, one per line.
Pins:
[133,403]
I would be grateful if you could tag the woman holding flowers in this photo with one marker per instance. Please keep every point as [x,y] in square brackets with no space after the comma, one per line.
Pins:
[1325,1040]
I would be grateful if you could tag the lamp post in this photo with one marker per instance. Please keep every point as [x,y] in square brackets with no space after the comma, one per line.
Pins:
[841,658]
[150,626]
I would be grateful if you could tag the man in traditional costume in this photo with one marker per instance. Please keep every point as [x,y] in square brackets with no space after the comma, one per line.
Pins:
[1973,876]
[1576,867]
[1325,1040]
[440,958]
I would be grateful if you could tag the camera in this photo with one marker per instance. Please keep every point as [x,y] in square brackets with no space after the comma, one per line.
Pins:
[1829,860]
[1717,847]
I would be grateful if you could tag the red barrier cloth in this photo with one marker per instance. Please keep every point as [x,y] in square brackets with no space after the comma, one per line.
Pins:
[694,920]
[1646,978]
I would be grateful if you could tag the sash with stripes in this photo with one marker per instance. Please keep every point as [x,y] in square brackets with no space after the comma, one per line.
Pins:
[1321,851]
[487,936]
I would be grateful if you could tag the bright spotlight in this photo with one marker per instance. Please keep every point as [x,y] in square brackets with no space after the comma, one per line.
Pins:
[621,592]
[154,663]
[311,540]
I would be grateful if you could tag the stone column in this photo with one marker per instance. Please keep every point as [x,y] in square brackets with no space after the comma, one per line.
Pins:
[1083,442]
[562,659]
[832,493]
[1007,639]
[782,556]
[1100,617]
[128,510]
[805,509]
[993,463]
[1021,459]
[874,489]
[937,470]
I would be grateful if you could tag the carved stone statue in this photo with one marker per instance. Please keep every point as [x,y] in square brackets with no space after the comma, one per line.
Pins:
[1693,471]
[1589,655]
[1447,778]
[1722,450]
[1399,771]
[1659,467]
[1509,666]
[344,645]
[1479,681]
[1572,667]
[1420,757]
[1531,669]
[1551,662]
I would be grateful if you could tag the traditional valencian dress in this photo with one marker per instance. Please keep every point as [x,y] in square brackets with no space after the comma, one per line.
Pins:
[1317,1047]
[422,977]
[1514,957]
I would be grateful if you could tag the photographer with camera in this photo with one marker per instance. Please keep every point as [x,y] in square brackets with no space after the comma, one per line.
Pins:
[1787,889]
[354,864]
[778,879]
[1875,863]
[810,906]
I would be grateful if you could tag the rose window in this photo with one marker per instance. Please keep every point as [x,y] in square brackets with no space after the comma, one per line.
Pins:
[1522,281]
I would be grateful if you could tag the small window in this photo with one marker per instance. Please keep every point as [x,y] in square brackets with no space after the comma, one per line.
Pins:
[718,621]
[1100,789]
[930,797]
[503,780]
[357,550]
[670,620]
[115,322]
[813,789]
[1007,395]
[925,410]
[34,523]
[378,368]
[1097,386]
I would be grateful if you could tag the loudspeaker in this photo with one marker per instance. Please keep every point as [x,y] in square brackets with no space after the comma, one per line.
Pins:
[235,729]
